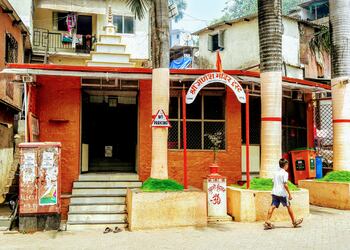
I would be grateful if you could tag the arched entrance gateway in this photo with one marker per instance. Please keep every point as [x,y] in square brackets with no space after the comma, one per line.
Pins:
[195,88]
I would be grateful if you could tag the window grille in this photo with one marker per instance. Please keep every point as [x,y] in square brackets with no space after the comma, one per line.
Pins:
[11,49]
[206,115]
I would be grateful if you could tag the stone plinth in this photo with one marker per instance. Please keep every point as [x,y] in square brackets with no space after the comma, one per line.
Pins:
[156,210]
[328,194]
[252,205]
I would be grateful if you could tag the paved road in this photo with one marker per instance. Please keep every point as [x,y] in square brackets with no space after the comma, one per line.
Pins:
[324,229]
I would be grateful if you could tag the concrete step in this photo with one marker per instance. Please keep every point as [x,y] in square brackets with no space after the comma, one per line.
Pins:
[5,223]
[109,177]
[110,39]
[107,184]
[110,48]
[110,57]
[97,200]
[93,208]
[84,226]
[110,64]
[96,217]
[98,191]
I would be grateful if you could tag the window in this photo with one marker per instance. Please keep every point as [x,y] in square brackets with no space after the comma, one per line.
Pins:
[124,24]
[11,55]
[206,115]
[60,21]
[216,41]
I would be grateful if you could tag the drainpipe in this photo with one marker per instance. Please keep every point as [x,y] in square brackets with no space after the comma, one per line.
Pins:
[25,112]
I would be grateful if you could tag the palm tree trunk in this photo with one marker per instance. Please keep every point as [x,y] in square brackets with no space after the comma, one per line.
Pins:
[160,85]
[340,35]
[270,34]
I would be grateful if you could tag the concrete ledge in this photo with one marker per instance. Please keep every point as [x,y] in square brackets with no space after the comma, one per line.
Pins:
[328,194]
[252,205]
[155,210]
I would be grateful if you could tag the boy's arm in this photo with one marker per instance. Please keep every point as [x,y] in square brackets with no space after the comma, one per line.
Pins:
[287,189]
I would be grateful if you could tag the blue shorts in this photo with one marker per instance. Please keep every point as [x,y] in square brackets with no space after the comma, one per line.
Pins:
[276,200]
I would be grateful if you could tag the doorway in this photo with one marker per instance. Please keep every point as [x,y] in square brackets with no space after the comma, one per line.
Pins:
[109,131]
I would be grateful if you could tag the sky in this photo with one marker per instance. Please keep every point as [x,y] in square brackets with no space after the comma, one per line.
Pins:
[199,14]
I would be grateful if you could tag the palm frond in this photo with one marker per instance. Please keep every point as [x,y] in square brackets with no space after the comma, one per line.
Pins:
[138,7]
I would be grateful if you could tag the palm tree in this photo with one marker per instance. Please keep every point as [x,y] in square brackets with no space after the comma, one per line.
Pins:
[270,35]
[340,53]
[159,16]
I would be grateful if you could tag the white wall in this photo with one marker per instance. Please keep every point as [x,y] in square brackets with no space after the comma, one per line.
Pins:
[242,46]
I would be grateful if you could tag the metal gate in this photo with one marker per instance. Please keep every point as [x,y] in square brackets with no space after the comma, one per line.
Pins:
[323,124]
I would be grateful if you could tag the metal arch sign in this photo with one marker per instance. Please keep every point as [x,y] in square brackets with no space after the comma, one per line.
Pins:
[214,77]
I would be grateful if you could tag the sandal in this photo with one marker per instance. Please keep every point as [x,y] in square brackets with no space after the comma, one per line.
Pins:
[268,225]
[107,230]
[297,222]
[117,230]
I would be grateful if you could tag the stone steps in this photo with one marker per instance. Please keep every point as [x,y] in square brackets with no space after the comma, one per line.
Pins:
[95,208]
[107,184]
[101,217]
[109,177]
[98,200]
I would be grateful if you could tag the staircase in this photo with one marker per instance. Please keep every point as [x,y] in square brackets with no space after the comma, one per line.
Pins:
[98,200]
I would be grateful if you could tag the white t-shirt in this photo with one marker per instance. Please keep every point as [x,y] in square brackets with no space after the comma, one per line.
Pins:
[279,179]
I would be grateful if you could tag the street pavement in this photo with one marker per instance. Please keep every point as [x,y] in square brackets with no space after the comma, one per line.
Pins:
[323,229]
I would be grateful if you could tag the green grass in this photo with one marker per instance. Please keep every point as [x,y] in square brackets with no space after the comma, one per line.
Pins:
[156,185]
[337,176]
[265,184]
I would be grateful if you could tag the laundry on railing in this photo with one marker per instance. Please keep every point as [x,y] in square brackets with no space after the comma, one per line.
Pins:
[66,38]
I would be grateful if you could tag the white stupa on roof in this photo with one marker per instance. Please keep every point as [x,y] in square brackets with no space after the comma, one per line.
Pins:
[109,50]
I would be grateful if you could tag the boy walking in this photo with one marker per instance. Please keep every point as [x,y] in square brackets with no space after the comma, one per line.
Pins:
[281,194]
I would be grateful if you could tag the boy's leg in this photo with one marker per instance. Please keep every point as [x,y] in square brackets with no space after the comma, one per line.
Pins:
[269,214]
[291,213]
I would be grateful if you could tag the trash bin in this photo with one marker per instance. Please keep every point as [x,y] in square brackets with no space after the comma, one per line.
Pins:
[304,164]
[319,168]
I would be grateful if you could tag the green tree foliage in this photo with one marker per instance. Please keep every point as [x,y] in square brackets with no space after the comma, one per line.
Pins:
[181,7]
[139,7]
[239,8]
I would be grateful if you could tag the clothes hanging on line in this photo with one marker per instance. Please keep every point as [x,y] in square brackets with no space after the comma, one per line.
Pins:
[71,22]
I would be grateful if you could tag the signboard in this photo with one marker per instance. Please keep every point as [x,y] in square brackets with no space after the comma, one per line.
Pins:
[215,77]
[160,120]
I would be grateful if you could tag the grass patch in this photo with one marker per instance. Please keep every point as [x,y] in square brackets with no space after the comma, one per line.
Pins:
[156,185]
[337,176]
[265,184]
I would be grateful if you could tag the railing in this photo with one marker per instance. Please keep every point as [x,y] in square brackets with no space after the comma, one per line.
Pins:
[44,40]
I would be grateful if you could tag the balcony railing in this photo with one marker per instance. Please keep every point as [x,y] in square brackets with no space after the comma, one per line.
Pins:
[45,40]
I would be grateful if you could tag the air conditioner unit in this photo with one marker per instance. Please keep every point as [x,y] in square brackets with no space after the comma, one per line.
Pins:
[297,95]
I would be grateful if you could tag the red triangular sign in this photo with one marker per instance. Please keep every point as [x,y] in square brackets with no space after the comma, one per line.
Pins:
[160,120]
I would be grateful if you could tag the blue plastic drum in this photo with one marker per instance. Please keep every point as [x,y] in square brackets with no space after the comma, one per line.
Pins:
[319,167]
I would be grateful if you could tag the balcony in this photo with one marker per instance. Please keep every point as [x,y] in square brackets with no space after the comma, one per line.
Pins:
[56,42]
